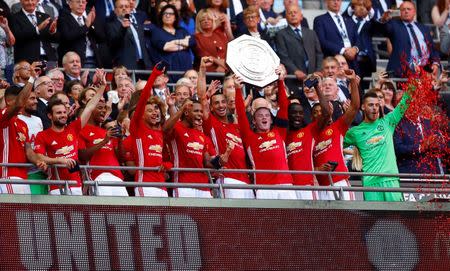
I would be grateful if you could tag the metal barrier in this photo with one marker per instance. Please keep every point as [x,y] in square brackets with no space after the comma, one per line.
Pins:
[440,181]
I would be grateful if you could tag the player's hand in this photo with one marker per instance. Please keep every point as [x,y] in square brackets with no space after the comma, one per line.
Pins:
[41,165]
[68,162]
[206,61]
[238,81]
[281,72]
[212,88]
[350,75]
[170,98]
[223,158]
[324,167]
[35,69]
[187,106]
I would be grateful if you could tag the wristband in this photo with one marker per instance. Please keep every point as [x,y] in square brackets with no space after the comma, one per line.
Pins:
[31,80]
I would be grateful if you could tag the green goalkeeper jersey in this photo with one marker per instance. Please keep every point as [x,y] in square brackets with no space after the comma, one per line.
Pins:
[376,144]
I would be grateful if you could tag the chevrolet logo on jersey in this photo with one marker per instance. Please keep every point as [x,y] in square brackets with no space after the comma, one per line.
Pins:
[267,144]
[234,138]
[65,150]
[195,146]
[293,146]
[155,148]
[374,140]
[96,141]
[323,144]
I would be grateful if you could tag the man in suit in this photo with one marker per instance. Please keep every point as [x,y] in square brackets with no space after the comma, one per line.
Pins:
[381,6]
[49,7]
[34,31]
[81,33]
[298,47]
[43,86]
[337,34]
[412,44]
[126,39]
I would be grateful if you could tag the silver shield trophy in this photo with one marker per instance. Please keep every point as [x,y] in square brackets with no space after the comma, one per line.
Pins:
[253,60]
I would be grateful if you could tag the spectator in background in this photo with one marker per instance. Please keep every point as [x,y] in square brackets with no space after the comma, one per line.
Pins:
[118,73]
[138,17]
[173,44]
[34,31]
[251,27]
[7,40]
[187,20]
[440,13]
[73,90]
[218,10]
[57,78]
[22,72]
[81,32]
[409,38]
[211,42]
[337,34]
[298,47]
[390,97]
[126,39]
[44,88]
[72,67]
[49,7]
[381,6]
[365,27]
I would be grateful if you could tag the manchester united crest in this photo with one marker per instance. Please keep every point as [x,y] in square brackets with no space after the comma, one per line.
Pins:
[70,137]
[329,132]
[271,134]
[300,135]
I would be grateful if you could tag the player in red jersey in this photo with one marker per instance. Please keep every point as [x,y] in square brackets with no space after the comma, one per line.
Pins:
[189,148]
[146,142]
[15,146]
[99,147]
[60,141]
[224,135]
[329,142]
[300,142]
[266,145]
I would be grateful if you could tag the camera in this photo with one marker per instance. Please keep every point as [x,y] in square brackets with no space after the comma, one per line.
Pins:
[311,82]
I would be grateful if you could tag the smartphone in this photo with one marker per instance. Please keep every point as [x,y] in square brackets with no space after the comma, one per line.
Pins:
[162,65]
[333,164]
[311,82]
[126,16]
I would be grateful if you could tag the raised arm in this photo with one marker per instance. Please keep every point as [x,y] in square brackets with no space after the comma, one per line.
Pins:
[325,106]
[170,123]
[355,102]
[145,95]
[90,106]
[19,103]
[244,126]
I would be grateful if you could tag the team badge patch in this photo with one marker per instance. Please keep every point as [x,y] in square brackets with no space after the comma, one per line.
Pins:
[70,137]
[300,135]
[329,132]
[271,134]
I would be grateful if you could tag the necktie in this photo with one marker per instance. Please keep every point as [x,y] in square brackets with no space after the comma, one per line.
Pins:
[80,20]
[299,33]
[341,27]
[416,41]
[33,19]
[109,7]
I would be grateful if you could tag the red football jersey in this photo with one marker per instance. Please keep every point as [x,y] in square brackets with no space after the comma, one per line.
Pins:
[266,150]
[329,147]
[188,146]
[299,148]
[221,134]
[14,134]
[60,144]
[92,135]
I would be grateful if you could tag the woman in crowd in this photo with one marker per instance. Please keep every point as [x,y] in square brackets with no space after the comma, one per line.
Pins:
[389,92]
[172,43]
[211,41]
[73,89]
[7,41]
[186,15]
[218,9]
[251,21]
[440,13]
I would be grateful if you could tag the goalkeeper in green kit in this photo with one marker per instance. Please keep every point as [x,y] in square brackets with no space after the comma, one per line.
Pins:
[374,139]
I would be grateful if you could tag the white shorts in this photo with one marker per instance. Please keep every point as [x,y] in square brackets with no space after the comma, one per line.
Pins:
[150,192]
[15,188]
[191,193]
[276,194]
[306,194]
[74,191]
[110,190]
[236,193]
[329,195]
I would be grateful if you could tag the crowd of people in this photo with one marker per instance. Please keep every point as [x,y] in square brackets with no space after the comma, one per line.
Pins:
[326,119]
